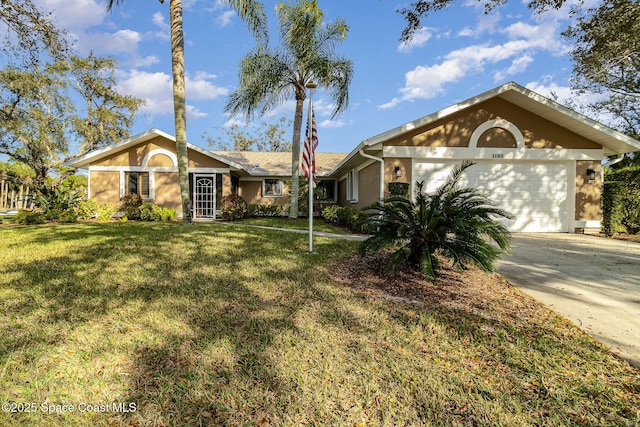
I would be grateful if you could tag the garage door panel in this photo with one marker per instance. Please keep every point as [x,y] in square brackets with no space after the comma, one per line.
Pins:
[535,193]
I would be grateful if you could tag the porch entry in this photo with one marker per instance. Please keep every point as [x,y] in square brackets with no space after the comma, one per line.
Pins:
[204,196]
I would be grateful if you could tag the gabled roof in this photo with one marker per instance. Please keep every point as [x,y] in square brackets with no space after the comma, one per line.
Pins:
[250,162]
[614,142]
[100,153]
[262,163]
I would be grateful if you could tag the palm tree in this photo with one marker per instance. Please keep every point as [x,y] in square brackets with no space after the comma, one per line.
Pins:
[250,11]
[268,77]
[456,222]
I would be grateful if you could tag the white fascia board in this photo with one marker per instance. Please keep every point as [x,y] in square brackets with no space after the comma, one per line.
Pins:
[541,154]
[83,161]
[624,144]
[155,169]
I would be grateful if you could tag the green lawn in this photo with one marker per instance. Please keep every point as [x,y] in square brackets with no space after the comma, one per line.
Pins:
[217,324]
[296,224]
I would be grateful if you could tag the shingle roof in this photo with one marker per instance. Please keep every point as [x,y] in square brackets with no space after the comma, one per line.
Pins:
[276,163]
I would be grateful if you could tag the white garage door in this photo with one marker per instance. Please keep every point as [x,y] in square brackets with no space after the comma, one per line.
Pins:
[536,193]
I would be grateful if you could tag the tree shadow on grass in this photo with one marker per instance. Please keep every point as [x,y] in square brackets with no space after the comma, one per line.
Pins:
[221,325]
[192,308]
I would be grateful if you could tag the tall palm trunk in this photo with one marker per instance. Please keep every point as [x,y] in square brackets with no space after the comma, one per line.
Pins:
[295,153]
[179,104]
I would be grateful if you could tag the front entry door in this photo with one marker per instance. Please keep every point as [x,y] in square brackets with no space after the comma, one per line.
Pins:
[204,196]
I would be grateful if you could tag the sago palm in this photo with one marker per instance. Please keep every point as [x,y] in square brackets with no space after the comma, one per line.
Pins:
[455,222]
[270,76]
[250,11]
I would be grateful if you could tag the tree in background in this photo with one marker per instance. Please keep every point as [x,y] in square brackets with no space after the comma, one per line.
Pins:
[107,114]
[40,125]
[250,11]
[606,54]
[265,137]
[606,58]
[31,35]
[270,76]
[419,10]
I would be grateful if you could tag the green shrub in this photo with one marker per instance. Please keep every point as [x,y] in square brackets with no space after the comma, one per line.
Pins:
[330,214]
[266,210]
[130,205]
[150,212]
[57,198]
[69,216]
[233,207]
[53,214]
[168,213]
[454,222]
[398,189]
[105,211]
[621,201]
[29,217]
[87,209]
[350,218]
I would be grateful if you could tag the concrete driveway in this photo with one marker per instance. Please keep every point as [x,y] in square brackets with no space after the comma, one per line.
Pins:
[592,281]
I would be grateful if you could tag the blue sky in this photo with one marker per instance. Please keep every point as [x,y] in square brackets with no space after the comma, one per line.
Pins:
[459,53]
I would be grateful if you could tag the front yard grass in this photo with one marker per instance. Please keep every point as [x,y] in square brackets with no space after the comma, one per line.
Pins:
[218,324]
[294,223]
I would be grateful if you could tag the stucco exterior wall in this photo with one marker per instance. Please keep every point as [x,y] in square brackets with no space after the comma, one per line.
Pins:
[105,186]
[390,172]
[251,192]
[588,192]
[199,160]
[167,190]
[135,155]
[456,130]
[368,185]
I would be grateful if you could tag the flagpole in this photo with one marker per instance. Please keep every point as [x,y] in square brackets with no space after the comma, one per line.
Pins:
[310,187]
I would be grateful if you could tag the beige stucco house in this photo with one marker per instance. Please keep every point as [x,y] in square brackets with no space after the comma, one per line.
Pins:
[535,158]
[146,164]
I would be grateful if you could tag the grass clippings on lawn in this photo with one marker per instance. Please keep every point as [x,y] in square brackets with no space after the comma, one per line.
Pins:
[216,324]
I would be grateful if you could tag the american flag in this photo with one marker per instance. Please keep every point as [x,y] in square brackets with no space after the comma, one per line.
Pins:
[309,153]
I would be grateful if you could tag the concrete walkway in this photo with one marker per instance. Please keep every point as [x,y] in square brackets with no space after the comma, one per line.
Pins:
[356,237]
[592,281]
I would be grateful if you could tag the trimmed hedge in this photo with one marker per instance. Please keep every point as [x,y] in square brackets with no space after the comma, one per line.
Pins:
[400,189]
[345,217]
[621,201]
[233,207]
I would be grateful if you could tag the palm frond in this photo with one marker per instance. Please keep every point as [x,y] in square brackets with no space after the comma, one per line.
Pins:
[252,12]
[456,221]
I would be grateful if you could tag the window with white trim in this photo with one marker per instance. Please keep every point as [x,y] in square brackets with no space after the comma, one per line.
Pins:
[272,187]
[352,185]
[326,190]
[137,183]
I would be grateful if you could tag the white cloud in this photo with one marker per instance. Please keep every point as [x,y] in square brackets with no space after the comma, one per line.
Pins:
[75,15]
[518,65]
[165,30]
[523,42]
[123,41]
[225,18]
[200,88]
[157,91]
[488,22]
[419,39]
[561,94]
[332,124]
[154,88]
